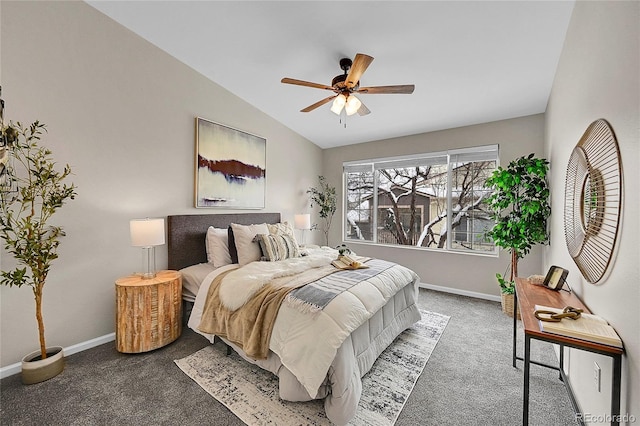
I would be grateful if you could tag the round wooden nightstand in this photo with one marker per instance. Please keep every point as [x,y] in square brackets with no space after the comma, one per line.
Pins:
[148,311]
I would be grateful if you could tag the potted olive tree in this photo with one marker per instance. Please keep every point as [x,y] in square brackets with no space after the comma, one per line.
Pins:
[520,209]
[325,197]
[31,191]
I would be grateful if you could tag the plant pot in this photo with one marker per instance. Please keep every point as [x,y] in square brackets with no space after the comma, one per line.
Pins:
[36,370]
[507,304]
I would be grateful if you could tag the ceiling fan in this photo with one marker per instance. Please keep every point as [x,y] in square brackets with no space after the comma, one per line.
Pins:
[346,85]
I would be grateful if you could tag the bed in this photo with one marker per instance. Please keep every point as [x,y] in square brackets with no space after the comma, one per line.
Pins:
[318,349]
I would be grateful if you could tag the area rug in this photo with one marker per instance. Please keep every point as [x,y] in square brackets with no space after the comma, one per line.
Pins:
[252,393]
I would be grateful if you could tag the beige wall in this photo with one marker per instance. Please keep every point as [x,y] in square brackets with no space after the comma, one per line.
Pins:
[597,77]
[516,137]
[121,112]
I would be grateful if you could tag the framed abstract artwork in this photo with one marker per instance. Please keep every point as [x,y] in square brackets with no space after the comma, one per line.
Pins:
[230,167]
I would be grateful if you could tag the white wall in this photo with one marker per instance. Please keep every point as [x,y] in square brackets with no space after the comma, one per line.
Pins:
[122,113]
[516,137]
[597,77]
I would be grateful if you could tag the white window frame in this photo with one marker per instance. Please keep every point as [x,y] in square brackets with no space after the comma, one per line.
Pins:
[478,153]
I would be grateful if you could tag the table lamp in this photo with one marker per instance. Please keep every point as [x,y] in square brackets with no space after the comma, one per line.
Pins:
[147,233]
[302,222]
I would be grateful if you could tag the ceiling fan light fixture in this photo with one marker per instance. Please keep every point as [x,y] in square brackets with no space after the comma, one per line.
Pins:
[345,85]
[352,105]
[338,103]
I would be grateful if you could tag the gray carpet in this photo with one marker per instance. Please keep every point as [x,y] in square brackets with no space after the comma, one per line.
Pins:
[468,380]
[252,394]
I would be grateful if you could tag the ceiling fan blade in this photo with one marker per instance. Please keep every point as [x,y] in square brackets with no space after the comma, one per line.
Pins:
[363,110]
[400,89]
[306,83]
[359,66]
[318,104]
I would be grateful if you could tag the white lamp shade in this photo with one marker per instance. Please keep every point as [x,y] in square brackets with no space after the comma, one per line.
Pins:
[338,104]
[147,232]
[302,221]
[352,106]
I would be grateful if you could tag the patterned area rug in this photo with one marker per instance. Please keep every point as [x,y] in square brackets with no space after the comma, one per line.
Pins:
[252,393]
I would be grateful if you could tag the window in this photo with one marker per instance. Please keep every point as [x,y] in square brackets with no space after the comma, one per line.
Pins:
[433,200]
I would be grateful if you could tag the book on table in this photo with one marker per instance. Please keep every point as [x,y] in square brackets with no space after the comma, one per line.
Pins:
[592,328]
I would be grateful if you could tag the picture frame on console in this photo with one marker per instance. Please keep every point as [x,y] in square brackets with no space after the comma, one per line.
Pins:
[230,167]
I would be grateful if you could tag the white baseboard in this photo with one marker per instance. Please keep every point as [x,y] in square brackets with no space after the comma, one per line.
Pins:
[460,292]
[17,367]
[12,369]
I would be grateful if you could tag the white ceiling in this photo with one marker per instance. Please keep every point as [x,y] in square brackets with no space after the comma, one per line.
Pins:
[471,61]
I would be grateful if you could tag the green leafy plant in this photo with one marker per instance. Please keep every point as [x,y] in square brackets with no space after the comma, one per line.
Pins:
[31,191]
[520,208]
[324,197]
[506,287]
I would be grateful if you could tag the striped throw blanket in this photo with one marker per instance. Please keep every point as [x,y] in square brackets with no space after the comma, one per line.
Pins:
[316,295]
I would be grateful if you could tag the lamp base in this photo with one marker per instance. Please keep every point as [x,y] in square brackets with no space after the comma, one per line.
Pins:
[149,263]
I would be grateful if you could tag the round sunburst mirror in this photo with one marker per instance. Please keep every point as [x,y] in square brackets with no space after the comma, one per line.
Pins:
[593,198]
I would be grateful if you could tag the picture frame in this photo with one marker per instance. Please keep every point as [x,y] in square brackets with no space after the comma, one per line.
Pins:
[230,167]
[555,278]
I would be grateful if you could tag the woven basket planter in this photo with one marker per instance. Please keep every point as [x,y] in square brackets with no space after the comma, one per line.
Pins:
[507,304]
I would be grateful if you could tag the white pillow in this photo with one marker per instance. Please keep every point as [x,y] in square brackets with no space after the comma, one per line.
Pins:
[217,243]
[277,246]
[283,228]
[248,251]
[192,278]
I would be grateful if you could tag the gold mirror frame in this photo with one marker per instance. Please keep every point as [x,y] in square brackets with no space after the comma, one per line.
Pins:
[593,199]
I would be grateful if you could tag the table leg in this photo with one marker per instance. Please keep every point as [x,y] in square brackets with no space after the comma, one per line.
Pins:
[515,326]
[561,361]
[615,389]
[525,398]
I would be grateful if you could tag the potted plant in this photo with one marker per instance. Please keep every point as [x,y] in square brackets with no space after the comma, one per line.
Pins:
[31,191]
[325,197]
[520,208]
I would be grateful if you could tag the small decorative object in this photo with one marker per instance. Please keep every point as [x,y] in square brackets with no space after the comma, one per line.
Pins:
[303,223]
[555,278]
[147,233]
[325,197]
[230,167]
[536,279]
[593,198]
[520,208]
[343,249]
[31,191]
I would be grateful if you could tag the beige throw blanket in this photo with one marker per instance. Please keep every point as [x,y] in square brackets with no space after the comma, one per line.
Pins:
[250,326]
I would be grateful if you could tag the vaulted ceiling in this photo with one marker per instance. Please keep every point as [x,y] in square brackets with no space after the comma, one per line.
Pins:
[471,61]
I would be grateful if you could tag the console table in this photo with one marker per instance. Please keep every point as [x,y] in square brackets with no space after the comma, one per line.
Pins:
[528,295]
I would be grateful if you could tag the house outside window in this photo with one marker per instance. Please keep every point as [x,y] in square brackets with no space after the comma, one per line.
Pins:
[434,201]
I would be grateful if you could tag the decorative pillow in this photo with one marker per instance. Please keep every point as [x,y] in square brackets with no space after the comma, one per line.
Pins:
[277,246]
[192,277]
[242,236]
[281,228]
[217,243]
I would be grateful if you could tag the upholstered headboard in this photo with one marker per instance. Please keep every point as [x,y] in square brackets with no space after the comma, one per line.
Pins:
[186,234]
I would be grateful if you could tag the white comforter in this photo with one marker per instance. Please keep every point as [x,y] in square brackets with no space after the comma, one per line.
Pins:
[306,343]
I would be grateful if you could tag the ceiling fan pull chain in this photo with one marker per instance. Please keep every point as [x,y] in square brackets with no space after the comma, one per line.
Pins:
[343,118]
